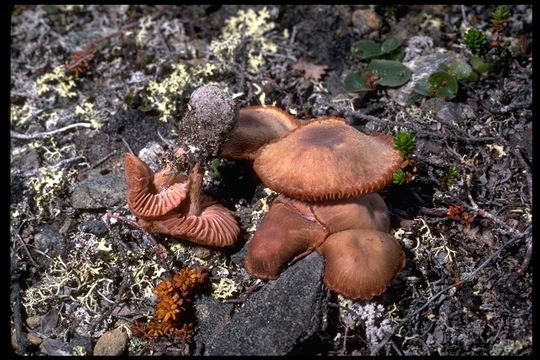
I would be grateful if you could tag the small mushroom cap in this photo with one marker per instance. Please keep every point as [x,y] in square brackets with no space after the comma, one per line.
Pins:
[327,159]
[215,226]
[284,235]
[147,199]
[361,263]
[366,212]
[257,126]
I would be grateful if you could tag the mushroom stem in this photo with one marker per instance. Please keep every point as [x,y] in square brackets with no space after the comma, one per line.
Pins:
[196,178]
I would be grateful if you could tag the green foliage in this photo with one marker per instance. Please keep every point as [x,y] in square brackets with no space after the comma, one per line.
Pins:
[399,177]
[476,42]
[369,49]
[451,175]
[358,81]
[389,72]
[384,68]
[500,16]
[438,84]
[380,72]
[462,72]
[405,142]
[480,66]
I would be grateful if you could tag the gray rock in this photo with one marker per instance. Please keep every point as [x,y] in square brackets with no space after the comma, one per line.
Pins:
[48,239]
[421,66]
[212,317]
[111,343]
[279,317]
[99,192]
[55,347]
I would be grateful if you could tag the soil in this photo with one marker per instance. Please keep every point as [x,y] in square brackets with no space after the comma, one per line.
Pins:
[79,268]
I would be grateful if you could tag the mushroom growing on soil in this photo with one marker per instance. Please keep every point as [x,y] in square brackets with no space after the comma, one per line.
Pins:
[328,173]
[255,127]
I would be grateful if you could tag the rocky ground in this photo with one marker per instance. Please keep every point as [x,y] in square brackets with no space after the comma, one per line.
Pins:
[91,82]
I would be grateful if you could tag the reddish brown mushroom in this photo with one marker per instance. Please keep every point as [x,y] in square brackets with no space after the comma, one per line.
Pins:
[162,204]
[152,196]
[360,263]
[285,233]
[327,159]
[214,226]
[255,127]
[329,172]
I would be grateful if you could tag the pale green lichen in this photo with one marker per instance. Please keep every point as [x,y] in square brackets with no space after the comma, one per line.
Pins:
[252,26]
[164,94]
[47,187]
[18,115]
[57,81]
[224,289]
[86,112]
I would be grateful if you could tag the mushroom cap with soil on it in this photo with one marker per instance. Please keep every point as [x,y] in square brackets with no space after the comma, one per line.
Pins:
[255,127]
[327,159]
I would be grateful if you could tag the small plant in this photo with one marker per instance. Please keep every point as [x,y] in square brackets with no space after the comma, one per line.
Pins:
[405,142]
[450,176]
[444,83]
[384,68]
[500,17]
[476,42]
[399,177]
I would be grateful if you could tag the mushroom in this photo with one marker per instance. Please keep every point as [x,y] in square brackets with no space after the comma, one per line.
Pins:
[360,263]
[285,233]
[162,204]
[329,172]
[255,127]
[214,226]
[327,159]
[149,195]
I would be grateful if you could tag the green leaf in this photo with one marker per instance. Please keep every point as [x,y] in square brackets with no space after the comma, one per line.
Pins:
[443,84]
[366,49]
[480,66]
[389,72]
[356,82]
[391,44]
[423,87]
[462,71]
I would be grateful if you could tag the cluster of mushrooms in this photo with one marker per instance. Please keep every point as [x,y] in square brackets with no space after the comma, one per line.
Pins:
[327,174]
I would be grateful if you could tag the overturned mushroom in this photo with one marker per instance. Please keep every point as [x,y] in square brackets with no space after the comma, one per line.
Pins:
[172,204]
[149,195]
[329,172]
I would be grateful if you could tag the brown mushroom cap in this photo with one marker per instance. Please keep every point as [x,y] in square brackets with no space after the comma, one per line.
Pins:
[284,234]
[361,263]
[147,199]
[256,126]
[366,212]
[327,159]
[215,226]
